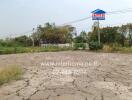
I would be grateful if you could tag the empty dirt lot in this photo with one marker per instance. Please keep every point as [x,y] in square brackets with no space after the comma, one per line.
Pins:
[70,76]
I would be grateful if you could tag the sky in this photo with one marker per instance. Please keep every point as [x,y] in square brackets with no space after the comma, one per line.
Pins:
[20,16]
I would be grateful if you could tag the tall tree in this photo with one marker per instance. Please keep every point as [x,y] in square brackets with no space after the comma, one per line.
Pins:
[108,35]
[123,32]
[51,33]
[129,26]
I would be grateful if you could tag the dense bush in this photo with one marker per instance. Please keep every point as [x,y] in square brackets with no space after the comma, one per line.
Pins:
[95,46]
[79,46]
[7,43]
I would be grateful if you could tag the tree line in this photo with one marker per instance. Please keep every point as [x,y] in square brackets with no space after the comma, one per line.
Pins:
[52,34]
[121,35]
[47,34]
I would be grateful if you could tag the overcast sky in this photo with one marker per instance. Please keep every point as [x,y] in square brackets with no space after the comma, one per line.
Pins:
[18,16]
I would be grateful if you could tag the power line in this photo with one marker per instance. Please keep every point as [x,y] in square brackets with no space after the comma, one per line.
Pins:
[86,18]
[120,11]
[24,33]
[113,12]
[76,21]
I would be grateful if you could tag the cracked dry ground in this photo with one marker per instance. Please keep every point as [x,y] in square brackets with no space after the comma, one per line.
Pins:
[105,77]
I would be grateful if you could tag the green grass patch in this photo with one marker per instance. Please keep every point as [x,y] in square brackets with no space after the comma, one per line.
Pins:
[14,50]
[10,73]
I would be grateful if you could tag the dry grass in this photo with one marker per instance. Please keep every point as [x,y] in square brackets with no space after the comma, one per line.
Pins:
[10,73]
[107,49]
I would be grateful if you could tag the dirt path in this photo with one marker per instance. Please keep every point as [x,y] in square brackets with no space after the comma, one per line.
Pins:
[70,76]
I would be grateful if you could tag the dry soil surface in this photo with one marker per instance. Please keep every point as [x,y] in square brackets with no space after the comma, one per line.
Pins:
[70,76]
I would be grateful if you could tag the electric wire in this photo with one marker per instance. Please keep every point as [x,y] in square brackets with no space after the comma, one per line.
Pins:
[86,18]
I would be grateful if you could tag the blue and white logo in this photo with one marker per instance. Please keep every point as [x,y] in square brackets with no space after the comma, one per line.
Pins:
[98,14]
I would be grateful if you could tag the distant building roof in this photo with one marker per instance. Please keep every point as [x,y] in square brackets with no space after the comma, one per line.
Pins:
[98,11]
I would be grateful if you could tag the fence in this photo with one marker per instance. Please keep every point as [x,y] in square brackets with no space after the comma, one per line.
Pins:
[57,45]
[67,45]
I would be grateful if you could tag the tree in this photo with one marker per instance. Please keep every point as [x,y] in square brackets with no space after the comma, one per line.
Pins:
[123,32]
[108,35]
[93,36]
[82,38]
[50,33]
[129,27]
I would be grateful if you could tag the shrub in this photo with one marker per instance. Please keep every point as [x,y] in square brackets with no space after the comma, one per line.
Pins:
[95,46]
[79,46]
[10,73]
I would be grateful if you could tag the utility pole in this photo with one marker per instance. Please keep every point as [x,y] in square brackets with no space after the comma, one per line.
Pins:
[32,38]
[99,33]
[97,25]
[98,15]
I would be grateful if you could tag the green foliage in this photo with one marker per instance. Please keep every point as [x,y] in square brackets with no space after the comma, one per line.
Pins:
[50,33]
[82,38]
[22,41]
[79,46]
[110,35]
[13,50]
[79,39]
[95,46]
[7,43]
[16,42]
[122,30]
